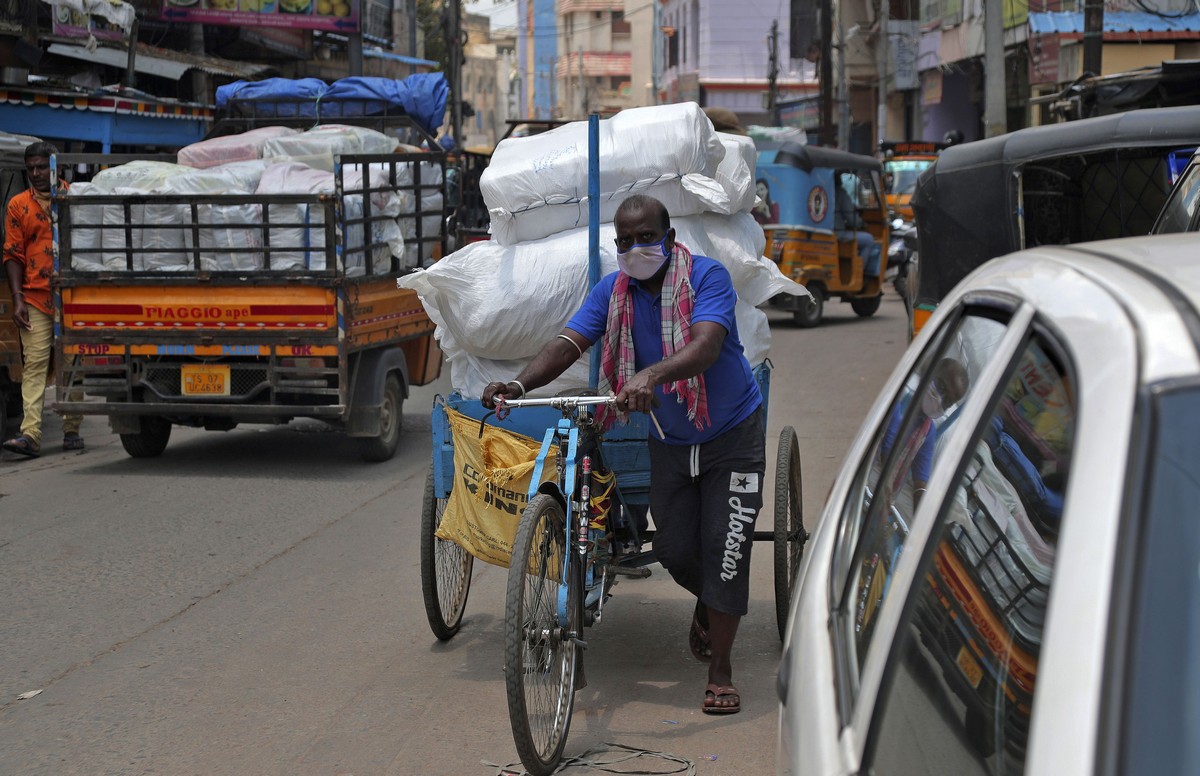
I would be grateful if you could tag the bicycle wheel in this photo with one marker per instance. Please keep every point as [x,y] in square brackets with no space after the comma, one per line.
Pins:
[445,569]
[540,658]
[789,534]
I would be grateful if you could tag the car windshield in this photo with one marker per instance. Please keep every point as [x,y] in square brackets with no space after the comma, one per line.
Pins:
[1164,676]
[902,174]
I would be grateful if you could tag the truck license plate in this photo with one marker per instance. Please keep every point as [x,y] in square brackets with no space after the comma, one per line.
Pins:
[205,379]
[970,667]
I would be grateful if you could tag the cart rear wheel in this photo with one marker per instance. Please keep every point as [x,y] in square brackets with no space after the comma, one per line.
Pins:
[445,569]
[789,534]
[540,647]
[151,440]
[809,312]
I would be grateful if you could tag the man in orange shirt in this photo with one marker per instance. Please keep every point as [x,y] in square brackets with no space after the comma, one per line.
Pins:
[29,262]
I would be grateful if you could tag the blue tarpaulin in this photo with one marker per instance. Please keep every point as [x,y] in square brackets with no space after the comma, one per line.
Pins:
[421,96]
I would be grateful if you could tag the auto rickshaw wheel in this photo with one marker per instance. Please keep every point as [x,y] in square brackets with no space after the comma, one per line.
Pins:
[866,306]
[808,314]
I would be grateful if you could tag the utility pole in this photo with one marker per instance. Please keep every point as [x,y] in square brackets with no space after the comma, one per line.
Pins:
[995,100]
[881,53]
[1093,35]
[826,76]
[454,34]
[773,74]
[843,133]
[583,100]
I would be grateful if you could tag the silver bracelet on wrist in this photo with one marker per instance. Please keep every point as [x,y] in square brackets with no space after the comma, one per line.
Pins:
[519,384]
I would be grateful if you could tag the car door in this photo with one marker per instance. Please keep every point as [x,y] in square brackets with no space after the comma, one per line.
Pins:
[860,564]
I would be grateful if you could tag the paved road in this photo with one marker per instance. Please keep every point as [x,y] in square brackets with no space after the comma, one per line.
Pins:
[250,604]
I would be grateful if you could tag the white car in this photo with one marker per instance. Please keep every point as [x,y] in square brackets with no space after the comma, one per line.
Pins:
[1005,578]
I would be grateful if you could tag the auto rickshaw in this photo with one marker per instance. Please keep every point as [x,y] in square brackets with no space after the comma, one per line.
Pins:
[903,163]
[12,182]
[820,205]
[1091,179]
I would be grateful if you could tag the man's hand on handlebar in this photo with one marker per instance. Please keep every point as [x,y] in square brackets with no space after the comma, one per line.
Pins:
[504,390]
[637,395]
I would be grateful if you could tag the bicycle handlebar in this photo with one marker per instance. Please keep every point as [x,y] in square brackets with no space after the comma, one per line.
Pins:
[563,403]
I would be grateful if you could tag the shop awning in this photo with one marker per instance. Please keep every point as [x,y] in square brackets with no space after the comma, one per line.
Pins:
[160,62]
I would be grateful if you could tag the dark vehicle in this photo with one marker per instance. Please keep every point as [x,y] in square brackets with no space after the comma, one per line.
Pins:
[1054,185]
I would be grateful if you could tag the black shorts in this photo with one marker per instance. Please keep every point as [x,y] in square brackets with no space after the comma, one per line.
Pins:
[704,500]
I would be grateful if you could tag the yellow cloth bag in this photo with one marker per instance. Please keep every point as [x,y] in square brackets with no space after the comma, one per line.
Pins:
[490,488]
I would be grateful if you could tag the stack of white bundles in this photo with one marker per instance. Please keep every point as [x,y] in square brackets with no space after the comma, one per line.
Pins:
[318,146]
[536,186]
[241,147]
[386,205]
[495,306]
[300,244]
[222,227]
[85,234]
[135,179]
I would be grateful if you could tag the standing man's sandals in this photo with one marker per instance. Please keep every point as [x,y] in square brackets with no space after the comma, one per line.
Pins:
[23,445]
[721,699]
[698,640]
[73,442]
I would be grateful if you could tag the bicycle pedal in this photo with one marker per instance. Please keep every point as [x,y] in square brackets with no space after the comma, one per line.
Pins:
[638,572]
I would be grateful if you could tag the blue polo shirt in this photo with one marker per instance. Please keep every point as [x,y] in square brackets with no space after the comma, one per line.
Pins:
[733,393]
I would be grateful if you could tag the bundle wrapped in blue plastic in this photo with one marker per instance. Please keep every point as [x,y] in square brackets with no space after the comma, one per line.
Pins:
[422,97]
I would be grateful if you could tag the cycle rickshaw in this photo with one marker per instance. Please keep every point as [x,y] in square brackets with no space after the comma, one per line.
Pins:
[577,534]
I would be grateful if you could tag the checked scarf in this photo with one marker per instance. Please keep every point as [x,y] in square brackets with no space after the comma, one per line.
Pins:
[617,364]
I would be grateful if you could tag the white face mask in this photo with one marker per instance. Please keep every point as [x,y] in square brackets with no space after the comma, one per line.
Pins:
[643,261]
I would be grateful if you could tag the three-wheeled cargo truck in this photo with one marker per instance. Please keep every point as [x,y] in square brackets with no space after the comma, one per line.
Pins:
[212,310]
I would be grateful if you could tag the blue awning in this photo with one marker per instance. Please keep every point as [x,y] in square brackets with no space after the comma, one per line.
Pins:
[1118,22]
[107,119]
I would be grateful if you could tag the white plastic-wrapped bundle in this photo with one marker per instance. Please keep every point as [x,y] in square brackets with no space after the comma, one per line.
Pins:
[133,179]
[735,173]
[85,236]
[319,145]
[230,148]
[537,186]
[386,205]
[505,302]
[300,244]
[138,175]
[421,255]
[222,227]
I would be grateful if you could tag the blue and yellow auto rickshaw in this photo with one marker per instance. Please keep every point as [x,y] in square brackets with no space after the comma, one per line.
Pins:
[826,223]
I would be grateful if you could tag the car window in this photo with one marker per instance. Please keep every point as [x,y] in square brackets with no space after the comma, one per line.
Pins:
[1164,637]
[964,665]
[894,476]
[1178,215]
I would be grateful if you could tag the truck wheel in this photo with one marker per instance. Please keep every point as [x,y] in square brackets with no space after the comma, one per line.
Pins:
[391,417]
[151,440]
[866,306]
[809,313]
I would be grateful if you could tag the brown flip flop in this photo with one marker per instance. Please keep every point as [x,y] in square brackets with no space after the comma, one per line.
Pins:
[714,692]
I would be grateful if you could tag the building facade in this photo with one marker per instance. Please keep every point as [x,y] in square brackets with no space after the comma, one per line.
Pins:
[718,53]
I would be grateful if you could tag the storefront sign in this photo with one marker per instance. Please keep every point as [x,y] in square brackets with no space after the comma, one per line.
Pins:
[333,15]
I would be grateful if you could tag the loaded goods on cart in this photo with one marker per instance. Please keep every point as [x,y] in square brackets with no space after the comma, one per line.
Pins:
[497,302]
